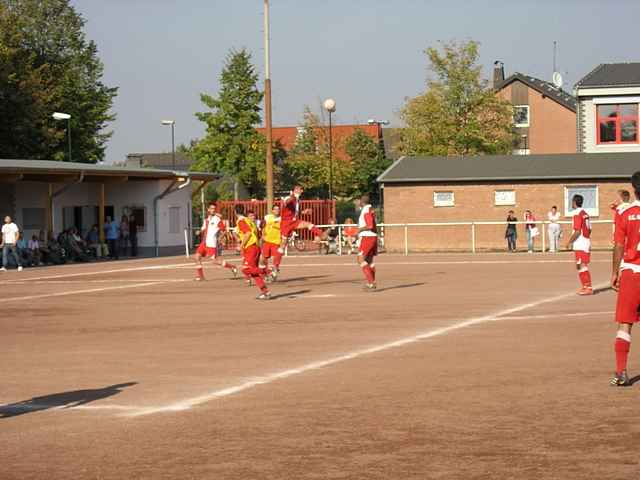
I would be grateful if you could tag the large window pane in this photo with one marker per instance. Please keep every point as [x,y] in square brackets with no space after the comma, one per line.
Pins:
[629,109]
[629,131]
[589,194]
[607,111]
[608,131]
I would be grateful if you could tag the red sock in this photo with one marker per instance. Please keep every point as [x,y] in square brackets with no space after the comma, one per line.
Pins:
[277,258]
[368,273]
[622,347]
[373,271]
[585,278]
[200,272]
[260,283]
[227,265]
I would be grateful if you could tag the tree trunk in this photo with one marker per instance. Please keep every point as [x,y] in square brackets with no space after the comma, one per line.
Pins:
[236,188]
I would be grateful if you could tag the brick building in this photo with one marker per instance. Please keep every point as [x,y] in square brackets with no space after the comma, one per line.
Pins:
[608,101]
[463,189]
[288,136]
[544,115]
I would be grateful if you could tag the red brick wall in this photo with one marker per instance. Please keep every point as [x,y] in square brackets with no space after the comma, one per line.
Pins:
[414,204]
[552,127]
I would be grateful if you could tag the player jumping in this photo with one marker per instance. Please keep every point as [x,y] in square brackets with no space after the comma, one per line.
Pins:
[368,238]
[248,233]
[580,240]
[271,237]
[211,228]
[625,278]
[289,220]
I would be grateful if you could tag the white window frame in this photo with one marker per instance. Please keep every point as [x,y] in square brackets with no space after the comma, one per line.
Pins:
[504,203]
[522,125]
[448,203]
[568,211]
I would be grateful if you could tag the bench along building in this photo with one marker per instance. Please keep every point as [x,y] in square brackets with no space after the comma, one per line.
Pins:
[44,196]
[485,188]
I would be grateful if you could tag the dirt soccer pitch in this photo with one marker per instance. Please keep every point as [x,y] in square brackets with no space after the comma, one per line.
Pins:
[458,367]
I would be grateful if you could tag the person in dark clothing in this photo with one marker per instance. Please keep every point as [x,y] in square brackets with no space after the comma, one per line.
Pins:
[511,233]
[133,235]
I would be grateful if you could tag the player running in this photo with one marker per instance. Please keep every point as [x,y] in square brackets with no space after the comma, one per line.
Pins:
[212,227]
[625,278]
[580,240]
[271,237]
[368,239]
[290,222]
[248,233]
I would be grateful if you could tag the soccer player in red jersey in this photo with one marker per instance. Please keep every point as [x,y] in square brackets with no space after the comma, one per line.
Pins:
[368,237]
[213,226]
[289,218]
[625,278]
[580,240]
[248,233]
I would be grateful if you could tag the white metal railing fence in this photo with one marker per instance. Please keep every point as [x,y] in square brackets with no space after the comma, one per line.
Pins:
[471,227]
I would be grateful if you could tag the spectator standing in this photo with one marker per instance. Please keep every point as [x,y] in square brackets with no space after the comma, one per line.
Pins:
[554,230]
[112,233]
[532,230]
[10,237]
[133,235]
[511,234]
[124,234]
[93,242]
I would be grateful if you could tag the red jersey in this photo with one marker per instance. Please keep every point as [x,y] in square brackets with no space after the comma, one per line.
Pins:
[628,234]
[368,219]
[582,224]
[290,209]
[210,229]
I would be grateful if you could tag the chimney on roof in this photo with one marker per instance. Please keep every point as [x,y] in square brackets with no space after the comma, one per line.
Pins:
[498,73]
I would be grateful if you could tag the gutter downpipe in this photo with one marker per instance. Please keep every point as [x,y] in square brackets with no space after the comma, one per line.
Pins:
[170,189]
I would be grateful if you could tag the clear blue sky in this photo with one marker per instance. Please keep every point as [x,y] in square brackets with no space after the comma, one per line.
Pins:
[367,54]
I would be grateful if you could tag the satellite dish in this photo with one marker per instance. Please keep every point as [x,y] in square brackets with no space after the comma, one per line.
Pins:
[557,79]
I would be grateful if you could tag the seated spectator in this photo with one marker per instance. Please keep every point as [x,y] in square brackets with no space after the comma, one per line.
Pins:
[74,246]
[23,251]
[36,253]
[55,252]
[93,242]
[350,235]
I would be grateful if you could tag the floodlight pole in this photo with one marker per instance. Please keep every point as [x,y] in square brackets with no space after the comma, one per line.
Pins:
[267,107]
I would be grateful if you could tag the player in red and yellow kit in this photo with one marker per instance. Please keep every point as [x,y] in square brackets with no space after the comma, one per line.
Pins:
[289,218]
[625,278]
[212,227]
[368,238]
[580,240]
[271,237]
[248,233]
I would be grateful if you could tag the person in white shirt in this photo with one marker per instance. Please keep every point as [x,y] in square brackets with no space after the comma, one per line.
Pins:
[554,229]
[10,237]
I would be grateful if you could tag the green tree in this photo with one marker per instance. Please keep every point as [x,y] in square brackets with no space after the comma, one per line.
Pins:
[368,161]
[307,163]
[232,145]
[458,114]
[54,68]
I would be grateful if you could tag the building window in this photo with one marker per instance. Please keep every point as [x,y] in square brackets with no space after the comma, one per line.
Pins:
[174,219]
[521,116]
[617,123]
[504,198]
[443,199]
[590,195]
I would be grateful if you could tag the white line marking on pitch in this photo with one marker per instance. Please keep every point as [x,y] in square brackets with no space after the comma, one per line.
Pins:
[556,315]
[270,378]
[77,292]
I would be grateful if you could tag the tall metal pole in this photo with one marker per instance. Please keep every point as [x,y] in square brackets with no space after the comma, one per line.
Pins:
[330,156]
[267,106]
[173,145]
[69,135]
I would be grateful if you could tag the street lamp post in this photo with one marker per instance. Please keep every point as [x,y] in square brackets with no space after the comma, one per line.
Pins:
[65,116]
[330,106]
[267,107]
[173,140]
